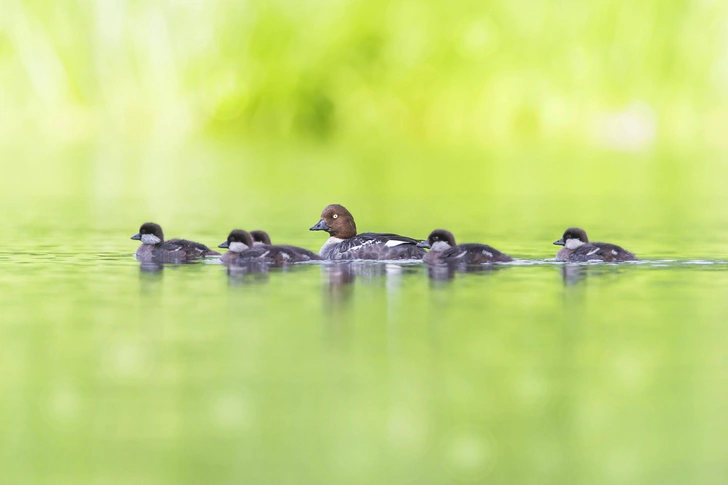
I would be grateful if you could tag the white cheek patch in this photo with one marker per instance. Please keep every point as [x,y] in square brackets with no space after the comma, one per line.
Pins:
[439,246]
[393,242]
[150,239]
[238,247]
[573,243]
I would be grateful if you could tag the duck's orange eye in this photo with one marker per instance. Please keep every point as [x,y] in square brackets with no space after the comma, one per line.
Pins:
[336,216]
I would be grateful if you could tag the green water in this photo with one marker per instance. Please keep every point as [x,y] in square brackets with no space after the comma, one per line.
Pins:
[360,373]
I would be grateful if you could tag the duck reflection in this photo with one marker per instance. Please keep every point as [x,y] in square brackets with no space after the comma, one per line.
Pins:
[572,274]
[150,276]
[150,267]
[577,274]
[447,271]
[248,273]
[376,273]
[341,275]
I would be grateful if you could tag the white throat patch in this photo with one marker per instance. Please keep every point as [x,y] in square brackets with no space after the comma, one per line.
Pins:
[573,243]
[440,246]
[238,247]
[329,242]
[150,239]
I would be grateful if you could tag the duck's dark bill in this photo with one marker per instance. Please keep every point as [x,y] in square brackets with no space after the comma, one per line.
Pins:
[560,242]
[224,245]
[320,226]
[137,237]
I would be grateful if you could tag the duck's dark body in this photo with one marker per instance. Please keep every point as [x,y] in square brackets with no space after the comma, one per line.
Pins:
[471,253]
[155,248]
[278,255]
[578,249]
[374,246]
[599,252]
[443,249]
[174,251]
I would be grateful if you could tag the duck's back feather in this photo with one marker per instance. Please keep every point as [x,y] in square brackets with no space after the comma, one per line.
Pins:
[276,254]
[474,254]
[601,252]
[370,245]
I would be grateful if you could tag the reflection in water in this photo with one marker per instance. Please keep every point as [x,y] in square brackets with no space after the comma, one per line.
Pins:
[251,272]
[441,272]
[148,267]
[150,274]
[573,274]
[340,276]
[371,272]
[338,293]
[447,271]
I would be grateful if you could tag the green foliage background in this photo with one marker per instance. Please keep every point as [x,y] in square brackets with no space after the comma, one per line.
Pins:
[459,72]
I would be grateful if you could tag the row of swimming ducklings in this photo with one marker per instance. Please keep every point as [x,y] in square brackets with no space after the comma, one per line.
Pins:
[345,243]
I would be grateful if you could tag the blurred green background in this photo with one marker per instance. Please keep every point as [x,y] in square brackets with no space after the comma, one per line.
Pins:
[586,109]
[505,121]
[598,74]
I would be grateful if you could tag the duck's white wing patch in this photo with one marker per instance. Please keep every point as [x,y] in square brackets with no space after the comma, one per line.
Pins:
[594,251]
[368,242]
[614,252]
[394,242]
[488,253]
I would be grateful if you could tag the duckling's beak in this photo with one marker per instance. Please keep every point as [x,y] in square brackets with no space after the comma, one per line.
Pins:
[560,242]
[320,226]
[423,244]
[224,245]
[137,237]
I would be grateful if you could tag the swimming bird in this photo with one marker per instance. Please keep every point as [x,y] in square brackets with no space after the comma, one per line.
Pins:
[578,249]
[260,238]
[154,247]
[444,250]
[345,243]
[241,250]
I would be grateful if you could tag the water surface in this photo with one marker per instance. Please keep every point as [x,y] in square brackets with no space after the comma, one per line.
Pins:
[533,372]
